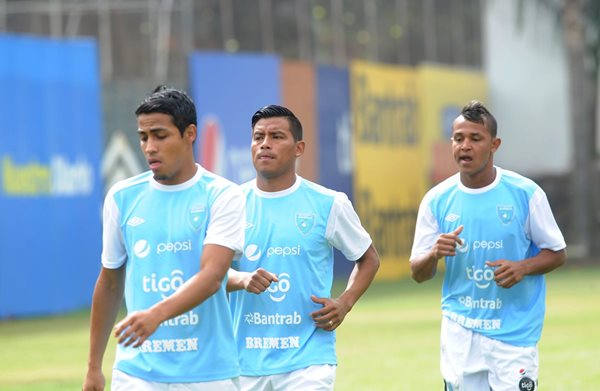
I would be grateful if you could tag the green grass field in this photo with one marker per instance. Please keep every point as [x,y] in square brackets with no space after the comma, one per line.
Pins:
[389,341]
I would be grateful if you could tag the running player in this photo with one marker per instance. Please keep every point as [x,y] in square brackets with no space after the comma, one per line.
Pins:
[285,335]
[169,237]
[497,233]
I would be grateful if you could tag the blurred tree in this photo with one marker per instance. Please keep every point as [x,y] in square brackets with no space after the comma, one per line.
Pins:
[579,21]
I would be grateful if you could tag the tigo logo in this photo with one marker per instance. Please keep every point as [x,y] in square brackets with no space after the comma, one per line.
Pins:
[163,285]
[278,290]
[141,248]
[482,277]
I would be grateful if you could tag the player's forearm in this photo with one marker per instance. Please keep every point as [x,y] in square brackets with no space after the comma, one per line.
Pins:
[106,303]
[191,294]
[235,280]
[544,262]
[361,277]
[423,267]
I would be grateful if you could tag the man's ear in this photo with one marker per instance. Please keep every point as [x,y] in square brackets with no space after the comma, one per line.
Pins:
[190,133]
[300,145]
[496,144]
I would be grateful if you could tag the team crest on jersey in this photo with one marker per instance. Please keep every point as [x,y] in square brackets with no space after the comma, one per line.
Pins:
[197,216]
[505,213]
[305,222]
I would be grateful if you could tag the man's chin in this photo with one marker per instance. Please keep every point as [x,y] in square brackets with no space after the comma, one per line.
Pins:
[160,177]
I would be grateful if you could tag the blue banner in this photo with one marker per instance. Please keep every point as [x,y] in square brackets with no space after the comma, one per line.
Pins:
[335,139]
[50,185]
[227,90]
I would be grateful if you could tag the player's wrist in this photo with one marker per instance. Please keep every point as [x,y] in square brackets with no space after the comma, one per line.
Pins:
[94,366]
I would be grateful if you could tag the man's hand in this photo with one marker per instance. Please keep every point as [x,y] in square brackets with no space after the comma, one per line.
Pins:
[94,380]
[424,266]
[258,281]
[331,315]
[136,328]
[445,245]
[507,273]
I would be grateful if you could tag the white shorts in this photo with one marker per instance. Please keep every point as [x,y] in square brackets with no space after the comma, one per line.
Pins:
[314,378]
[471,361]
[124,382]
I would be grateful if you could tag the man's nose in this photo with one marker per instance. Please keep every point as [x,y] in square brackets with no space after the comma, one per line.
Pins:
[150,146]
[265,143]
[466,144]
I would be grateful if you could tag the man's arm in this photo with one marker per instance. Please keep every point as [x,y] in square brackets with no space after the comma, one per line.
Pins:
[137,327]
[254,282]
[424,266]
[509,273]
[334,310]
[106,302]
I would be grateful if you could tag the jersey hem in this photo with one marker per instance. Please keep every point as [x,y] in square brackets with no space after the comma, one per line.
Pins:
[279,371]
[178,379]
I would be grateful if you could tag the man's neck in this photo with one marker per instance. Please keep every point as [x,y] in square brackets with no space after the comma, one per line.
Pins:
[275,184]
[479,180]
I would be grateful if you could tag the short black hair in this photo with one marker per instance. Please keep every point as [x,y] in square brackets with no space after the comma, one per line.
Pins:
[272,111]
[173,102]
[475,111]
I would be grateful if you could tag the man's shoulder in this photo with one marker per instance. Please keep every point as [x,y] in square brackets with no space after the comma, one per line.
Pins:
[130,183]
[515,180]
[443,187]
[247,186]
[217,182]
[320,189]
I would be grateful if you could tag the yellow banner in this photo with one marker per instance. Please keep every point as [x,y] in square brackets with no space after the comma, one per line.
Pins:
[389,177]
[443,91]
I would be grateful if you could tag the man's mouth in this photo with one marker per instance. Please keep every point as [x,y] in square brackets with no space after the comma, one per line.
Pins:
[154,164]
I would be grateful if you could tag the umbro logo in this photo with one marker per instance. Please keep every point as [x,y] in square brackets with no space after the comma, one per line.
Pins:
[452,217]
[135,221]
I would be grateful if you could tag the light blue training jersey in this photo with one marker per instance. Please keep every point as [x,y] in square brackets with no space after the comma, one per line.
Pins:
[291,233]
[508,219]
[159,231]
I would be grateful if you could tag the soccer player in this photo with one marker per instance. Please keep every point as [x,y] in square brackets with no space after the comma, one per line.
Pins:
[497,233]
[284,318]
[169,237]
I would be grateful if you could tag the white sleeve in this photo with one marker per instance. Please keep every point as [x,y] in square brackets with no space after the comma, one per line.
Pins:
[542,228]
[114,254]
[344,230]
[228,220]
[427,230]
